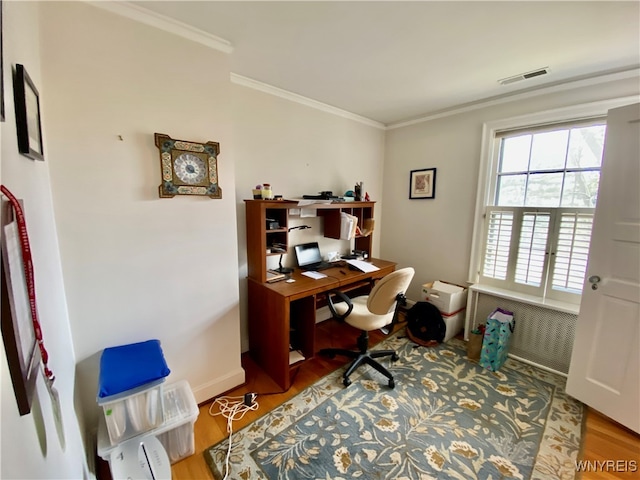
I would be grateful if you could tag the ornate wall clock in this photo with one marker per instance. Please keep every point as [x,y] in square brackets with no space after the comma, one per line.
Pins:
[188,168]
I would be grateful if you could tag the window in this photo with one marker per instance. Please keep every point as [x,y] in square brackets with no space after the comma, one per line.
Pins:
[539,208]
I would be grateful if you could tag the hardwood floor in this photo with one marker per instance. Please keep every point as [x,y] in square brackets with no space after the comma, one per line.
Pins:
[603,439]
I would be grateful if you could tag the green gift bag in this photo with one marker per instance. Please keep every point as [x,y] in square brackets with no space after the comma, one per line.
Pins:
[495,344]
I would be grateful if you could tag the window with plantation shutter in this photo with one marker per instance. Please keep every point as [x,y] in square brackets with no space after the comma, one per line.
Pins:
[539,214]
[523,245]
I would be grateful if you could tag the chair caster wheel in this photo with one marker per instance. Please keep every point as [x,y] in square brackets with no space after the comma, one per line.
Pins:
[346,382]
[395,357]
[392,383]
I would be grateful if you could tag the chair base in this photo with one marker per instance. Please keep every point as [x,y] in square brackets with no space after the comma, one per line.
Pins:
[361,357]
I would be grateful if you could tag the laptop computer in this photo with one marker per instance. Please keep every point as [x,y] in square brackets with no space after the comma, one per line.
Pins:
[309,257]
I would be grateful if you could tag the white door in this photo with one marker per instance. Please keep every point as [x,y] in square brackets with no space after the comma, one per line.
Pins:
[605,364]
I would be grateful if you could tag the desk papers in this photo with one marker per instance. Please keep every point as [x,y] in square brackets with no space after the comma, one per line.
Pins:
[365,267]
[348,226]
[446,287]
[314,275]
[295,356]
[273,276]
[310,211]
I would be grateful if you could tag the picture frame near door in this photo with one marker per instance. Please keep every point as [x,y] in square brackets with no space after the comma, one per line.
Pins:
[28,123]
[18,335]
[422,183]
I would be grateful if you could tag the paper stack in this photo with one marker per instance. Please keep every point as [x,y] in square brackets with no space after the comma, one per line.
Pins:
[447,287]
[348,226]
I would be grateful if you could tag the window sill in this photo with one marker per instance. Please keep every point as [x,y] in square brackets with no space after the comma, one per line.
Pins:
[556,305]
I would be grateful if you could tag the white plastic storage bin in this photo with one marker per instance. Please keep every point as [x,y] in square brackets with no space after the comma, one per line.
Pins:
[179,442]
[181,413]
[176,432]
[133,412]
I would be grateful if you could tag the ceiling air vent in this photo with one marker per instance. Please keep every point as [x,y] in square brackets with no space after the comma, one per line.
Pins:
[524,76]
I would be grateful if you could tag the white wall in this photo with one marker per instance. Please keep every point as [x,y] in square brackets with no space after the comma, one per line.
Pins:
[300,150]
[137,266]
[434,236]
[29,445]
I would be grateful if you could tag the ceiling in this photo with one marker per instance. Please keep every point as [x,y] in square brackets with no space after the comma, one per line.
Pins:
[395,61]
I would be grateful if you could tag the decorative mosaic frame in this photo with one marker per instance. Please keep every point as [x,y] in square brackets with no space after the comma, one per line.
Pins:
[171,185]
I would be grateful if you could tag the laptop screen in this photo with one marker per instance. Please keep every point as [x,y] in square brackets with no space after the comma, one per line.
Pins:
[308,253]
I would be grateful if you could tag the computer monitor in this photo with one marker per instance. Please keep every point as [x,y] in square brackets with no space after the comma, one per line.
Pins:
[308,254]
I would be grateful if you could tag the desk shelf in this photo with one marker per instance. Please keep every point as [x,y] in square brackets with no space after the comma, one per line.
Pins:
[260,238]
[363,211]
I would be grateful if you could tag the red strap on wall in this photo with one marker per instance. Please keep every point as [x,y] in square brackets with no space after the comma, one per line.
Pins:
[28,272]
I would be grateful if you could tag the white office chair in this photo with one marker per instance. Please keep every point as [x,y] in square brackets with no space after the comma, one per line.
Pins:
[378,310]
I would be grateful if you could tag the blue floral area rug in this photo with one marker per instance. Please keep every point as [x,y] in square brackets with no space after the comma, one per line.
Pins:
[447,418]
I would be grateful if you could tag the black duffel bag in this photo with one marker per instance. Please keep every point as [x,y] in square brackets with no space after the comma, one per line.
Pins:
[425,324]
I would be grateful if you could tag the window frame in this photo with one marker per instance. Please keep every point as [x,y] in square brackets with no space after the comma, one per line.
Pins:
[487,174]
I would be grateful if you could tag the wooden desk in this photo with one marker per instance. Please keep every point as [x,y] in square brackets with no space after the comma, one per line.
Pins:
[284,313]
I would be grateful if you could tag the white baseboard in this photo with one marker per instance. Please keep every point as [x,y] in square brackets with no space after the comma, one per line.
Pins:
[218,386]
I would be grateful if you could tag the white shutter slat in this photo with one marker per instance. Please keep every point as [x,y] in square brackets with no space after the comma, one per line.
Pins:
[532,248]
[496,254]
[572,252]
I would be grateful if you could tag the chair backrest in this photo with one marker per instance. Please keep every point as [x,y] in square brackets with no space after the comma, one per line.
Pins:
[382,299]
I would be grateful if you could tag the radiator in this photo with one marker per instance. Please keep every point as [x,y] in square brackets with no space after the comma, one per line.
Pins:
[542,336]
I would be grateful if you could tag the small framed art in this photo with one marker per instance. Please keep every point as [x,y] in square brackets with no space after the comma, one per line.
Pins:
[422,183]
[28,126]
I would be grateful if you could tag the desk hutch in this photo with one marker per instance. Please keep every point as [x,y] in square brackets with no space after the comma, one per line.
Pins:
[282,315]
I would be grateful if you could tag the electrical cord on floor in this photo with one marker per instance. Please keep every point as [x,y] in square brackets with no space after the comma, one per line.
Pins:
[233,408]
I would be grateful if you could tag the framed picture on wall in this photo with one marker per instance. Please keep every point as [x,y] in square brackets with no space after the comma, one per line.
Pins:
[422,183]
[20,343]
[27,103]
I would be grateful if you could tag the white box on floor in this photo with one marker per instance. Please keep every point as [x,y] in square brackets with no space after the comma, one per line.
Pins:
[176,432]
[448,297]
[454,324]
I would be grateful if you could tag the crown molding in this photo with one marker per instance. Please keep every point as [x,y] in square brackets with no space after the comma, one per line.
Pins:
[162,22]
[560,87]
[294,97]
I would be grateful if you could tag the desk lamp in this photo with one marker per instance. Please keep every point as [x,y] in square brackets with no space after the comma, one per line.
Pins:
[280,268]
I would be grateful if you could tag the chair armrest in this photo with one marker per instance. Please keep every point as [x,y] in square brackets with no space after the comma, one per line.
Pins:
[344,298]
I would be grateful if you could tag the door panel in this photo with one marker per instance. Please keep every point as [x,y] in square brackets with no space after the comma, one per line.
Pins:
[605,363]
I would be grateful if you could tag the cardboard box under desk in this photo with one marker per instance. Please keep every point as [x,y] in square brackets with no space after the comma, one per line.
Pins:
[448,302]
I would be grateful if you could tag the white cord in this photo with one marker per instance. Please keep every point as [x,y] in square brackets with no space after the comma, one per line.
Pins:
[233,408]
